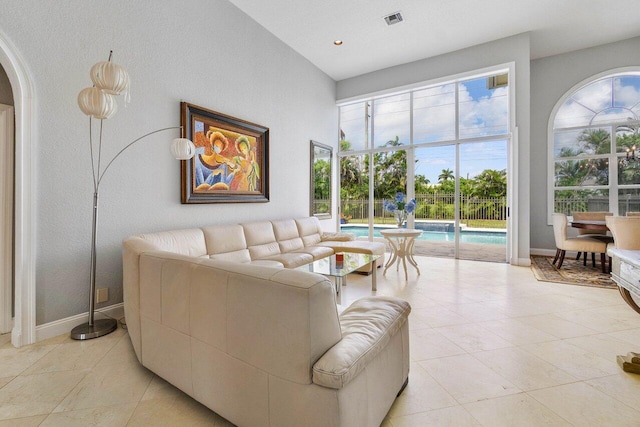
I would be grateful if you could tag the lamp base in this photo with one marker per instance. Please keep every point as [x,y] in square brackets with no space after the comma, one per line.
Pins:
[100,327]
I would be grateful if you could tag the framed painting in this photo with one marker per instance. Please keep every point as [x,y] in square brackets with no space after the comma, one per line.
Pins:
[231,164]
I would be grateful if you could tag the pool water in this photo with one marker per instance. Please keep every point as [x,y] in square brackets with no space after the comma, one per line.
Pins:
[486,237]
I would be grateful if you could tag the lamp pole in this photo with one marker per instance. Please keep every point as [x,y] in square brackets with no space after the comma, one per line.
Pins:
[97,328]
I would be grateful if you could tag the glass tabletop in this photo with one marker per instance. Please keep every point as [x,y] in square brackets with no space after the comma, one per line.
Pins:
[329,266]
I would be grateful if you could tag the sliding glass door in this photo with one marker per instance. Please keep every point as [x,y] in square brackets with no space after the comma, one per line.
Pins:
[446,146]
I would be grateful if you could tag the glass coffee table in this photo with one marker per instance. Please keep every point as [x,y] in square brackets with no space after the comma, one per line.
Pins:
[351,261]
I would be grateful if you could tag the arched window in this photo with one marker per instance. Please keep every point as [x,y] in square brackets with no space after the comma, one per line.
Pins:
[594,165]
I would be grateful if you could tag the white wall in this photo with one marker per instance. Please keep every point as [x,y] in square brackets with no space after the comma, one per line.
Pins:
[512,49]
[206,52]
[551,78]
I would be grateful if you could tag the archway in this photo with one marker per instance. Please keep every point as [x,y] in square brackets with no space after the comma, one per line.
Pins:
[24,327]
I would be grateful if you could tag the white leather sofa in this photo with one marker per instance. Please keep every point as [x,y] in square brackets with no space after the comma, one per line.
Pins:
[261,345]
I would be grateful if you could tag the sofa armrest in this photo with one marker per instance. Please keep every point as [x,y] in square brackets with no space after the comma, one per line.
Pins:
[338,237]
[367,327]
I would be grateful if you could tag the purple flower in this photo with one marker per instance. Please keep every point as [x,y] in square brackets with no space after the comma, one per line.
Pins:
[400,197]
[410,206]
[389,206]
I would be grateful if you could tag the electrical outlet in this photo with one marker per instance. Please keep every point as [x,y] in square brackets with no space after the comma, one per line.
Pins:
[102,295]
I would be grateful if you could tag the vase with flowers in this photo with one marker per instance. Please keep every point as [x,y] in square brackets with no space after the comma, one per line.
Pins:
[400,208]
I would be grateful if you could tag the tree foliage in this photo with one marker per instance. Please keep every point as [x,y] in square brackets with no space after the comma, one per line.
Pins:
[390,175]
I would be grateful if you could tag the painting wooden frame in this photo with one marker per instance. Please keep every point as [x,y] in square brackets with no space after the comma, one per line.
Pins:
[231,164]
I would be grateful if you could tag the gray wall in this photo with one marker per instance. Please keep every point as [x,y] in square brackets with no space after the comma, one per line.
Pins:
[206,52]
[513,49]
[6,94]
[551,78]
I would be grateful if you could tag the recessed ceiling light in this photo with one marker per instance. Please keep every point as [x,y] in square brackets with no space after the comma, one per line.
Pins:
[337,42]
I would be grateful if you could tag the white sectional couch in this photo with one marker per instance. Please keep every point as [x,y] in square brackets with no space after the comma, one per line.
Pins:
[260,344]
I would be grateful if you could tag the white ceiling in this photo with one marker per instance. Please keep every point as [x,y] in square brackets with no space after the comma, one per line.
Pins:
[434,27]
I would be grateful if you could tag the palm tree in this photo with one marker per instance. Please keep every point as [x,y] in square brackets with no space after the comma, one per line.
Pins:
[491,183]
[446,175]
[597,140]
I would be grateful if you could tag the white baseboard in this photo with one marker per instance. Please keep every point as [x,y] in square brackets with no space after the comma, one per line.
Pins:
[543,252]
[64,326]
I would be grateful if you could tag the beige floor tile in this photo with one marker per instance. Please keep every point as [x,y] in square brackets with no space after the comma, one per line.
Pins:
[108,385]
[576,361]
[597,322]
[160,389]
[467,379]
[430,344]
[422,393]
[516,332]
[620,311]
[15,361]
[516,410]
[583,405]
[524,370]
[37,394]
[472,337]
[604,345]
[33,421]
[121,353]
[102,416]
[455,416]
[437,316]
[624,387]
[4,381]
[5,339]
[478,311]
[554,325]
[73,355]
[177,411]
[631,336]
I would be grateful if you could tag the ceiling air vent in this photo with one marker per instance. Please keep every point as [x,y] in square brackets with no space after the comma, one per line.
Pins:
[394,18]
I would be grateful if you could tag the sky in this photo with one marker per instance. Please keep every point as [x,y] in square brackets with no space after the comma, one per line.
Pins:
[482,111]
[605,100]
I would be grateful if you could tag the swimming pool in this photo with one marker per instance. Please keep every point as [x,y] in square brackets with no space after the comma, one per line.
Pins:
[486,237]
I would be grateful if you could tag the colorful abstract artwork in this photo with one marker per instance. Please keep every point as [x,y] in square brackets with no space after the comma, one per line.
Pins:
[231,161]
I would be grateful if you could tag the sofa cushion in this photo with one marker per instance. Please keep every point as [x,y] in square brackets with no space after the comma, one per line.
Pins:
[188,242]
[358,246]
[367,327]
[317,252]
[339,236]
[290,259]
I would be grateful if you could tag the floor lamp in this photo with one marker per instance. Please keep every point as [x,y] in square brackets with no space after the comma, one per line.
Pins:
[99,102]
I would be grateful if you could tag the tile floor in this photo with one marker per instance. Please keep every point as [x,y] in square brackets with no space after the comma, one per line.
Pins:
[490,346]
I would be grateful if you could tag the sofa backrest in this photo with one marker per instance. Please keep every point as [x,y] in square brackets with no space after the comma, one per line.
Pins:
[309,230]
[261,240]
[279,321]
[227,243]
[286,232]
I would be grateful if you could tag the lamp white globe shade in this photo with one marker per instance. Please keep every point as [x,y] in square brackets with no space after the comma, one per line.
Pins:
[96,103]
[110,77]
[182,149]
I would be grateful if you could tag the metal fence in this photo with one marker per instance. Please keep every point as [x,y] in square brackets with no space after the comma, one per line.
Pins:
[596,204]
[433,206]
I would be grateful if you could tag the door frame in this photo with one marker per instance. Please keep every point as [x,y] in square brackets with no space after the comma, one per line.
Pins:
[24,263]
[6,218]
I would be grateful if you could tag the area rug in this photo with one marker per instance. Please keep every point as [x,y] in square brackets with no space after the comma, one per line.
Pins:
[571,273]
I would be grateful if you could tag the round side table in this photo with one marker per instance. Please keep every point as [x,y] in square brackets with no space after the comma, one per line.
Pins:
[401,241]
